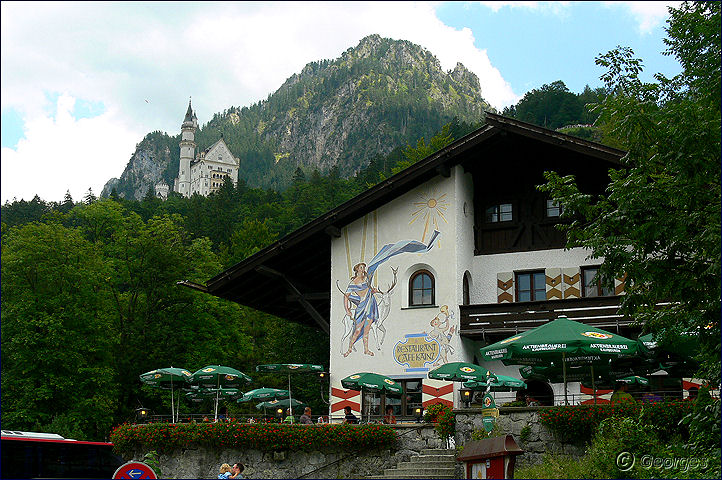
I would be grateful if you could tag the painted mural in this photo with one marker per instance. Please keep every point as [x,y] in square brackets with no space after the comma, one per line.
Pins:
[419,352]
[429,208]
[364,303]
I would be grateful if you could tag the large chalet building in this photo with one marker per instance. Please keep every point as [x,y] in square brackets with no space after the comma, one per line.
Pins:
[458,251]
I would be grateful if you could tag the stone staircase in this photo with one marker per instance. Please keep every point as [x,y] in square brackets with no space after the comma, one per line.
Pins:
[431,463]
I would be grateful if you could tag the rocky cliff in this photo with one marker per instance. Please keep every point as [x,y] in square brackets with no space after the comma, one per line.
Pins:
[377,96]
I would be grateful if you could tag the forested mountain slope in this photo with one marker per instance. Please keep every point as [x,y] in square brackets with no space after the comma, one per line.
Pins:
[380,95]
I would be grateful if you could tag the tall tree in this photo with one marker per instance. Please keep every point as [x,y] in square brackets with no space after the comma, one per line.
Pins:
[660,221]
[56,347]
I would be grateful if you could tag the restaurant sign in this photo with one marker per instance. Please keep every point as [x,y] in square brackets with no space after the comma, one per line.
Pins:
[417,352]
[489,412]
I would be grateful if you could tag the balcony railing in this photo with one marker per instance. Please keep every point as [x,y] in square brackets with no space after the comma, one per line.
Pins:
[499,319]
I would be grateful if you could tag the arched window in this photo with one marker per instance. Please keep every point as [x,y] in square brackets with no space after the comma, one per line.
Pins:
[421,288]
[466,282]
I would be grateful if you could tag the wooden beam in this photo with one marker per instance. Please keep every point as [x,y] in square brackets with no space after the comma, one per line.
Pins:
[320,321]
[309,296]
[444,170]
[333,231]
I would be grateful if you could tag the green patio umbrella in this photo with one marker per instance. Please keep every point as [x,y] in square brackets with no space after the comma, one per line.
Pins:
[289,368]
[633,380]
[218,377]
[461,372]
[556,374]
[264,394]
[202,394]
[284,403]
[610,383]
[372,382]
[675,355]
[502,383]
[208,393]
[168,378]
[565,342]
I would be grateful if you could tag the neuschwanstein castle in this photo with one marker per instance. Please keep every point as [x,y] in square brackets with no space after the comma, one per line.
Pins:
[204,172]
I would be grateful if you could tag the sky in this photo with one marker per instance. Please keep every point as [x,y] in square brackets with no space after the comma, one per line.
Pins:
[83,83]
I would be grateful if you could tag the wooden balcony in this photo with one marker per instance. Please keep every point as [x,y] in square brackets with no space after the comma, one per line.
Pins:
[495,321]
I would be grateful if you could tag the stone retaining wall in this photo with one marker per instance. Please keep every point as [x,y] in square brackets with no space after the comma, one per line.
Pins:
[203,462]
[512,420]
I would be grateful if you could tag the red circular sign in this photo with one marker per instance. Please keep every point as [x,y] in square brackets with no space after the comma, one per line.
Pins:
[134,470]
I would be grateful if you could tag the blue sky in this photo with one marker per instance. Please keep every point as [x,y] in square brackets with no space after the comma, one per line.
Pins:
[533,47]
[83,82]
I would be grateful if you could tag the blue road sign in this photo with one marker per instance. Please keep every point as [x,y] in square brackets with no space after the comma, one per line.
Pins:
[135,470]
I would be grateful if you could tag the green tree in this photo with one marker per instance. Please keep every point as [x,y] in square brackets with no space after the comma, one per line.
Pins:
[89,197]
[423,150]
[56,348]
[252,236]
[660,221]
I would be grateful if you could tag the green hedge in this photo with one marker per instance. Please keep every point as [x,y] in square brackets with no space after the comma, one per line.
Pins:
[164,437]
[577,423]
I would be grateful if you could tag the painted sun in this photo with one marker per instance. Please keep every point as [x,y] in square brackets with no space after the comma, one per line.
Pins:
[428,209]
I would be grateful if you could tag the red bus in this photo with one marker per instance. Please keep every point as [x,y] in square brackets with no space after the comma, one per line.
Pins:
[48,455]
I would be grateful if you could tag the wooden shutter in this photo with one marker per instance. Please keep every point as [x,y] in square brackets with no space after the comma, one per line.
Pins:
[571,282]
[553,283]
[505,287]
[619,284]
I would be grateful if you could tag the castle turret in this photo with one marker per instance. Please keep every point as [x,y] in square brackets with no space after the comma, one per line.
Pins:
[187,151]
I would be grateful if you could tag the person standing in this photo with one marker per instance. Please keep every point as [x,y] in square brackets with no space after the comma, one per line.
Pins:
[621,395]
[306,417]
[349,417]
[389,418]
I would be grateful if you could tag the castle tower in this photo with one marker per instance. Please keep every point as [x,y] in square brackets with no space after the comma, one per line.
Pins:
[187,151]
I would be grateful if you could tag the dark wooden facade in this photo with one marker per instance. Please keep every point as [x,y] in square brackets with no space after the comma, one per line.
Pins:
[508,171]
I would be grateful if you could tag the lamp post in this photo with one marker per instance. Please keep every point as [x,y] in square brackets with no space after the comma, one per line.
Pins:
[465,394]
[322,376]
[141,414]
[418,414]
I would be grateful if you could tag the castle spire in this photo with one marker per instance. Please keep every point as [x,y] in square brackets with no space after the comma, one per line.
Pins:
[189,113]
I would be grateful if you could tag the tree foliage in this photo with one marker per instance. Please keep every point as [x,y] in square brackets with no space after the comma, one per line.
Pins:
[659,222]
[554,106]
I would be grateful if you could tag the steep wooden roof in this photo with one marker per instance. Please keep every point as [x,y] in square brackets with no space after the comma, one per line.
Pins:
[291,278]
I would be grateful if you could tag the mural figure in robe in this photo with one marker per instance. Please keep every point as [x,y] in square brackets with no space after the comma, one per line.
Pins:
[440,324]
[359,299]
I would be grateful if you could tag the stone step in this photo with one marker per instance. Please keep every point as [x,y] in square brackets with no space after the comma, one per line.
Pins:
[438,451]
[426,472]
[414,465]
[413,476]
[433,458]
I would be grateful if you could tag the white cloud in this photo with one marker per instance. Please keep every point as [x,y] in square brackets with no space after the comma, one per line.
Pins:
[62,153]
[556,8]
[648,15]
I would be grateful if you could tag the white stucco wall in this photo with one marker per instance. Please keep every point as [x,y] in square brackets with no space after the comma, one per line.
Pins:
[445,204]
[412,216]
[486,267]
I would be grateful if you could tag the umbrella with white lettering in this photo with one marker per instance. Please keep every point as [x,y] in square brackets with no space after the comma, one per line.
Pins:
[561,341]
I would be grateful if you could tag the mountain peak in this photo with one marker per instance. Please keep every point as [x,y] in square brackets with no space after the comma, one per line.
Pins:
[377,96]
